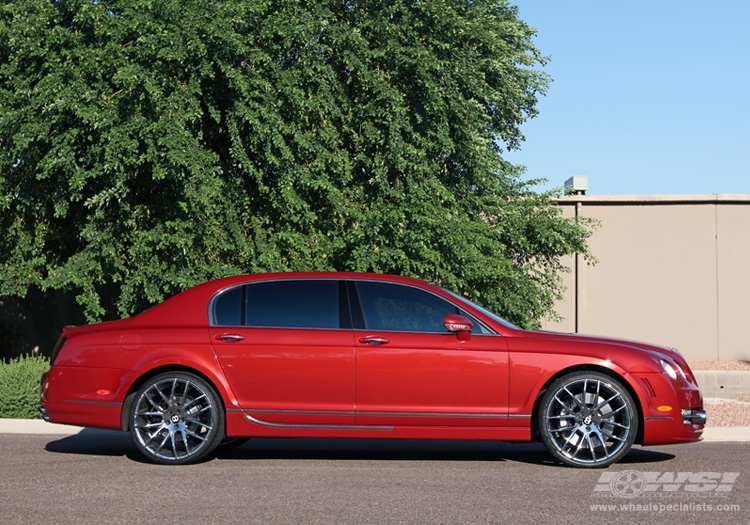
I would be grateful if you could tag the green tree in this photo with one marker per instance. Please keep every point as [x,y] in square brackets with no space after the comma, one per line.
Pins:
[148,145]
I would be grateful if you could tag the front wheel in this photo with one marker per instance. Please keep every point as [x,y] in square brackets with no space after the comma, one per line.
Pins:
[176,419]
[587,419]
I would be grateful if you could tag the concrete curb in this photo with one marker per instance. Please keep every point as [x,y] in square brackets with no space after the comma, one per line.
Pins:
[727,384]
[38,426]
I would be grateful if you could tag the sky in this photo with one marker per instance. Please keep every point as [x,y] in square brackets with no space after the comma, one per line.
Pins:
[648,97]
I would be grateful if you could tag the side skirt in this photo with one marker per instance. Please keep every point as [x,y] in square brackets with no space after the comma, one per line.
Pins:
[240,424]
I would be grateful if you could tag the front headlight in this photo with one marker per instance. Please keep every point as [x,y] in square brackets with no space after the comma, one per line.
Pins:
[669,369]
[688,378]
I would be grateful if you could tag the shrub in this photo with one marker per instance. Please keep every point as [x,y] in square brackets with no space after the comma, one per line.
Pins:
[19,386]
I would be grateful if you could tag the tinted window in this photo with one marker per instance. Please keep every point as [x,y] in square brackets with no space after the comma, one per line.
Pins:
[293,304]
[228,307]
[402,308]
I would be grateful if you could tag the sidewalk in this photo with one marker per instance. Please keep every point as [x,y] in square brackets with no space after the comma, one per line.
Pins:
[38,426]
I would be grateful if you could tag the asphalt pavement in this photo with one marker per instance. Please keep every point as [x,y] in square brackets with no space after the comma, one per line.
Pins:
[92,478]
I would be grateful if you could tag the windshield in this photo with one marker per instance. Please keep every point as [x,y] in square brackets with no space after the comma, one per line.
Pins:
[486,312]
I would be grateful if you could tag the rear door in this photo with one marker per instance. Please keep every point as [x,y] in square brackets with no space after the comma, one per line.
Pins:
[411,371]
[286,348]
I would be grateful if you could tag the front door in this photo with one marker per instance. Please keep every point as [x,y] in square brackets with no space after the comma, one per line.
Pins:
[411,371]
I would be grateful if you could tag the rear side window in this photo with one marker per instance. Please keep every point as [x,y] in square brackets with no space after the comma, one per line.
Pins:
[293,304]
[280,304]
[228,307]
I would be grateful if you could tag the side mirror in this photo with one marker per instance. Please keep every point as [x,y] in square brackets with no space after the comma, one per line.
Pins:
[459,325]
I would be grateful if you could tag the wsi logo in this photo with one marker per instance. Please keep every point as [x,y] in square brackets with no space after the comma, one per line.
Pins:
[633,483]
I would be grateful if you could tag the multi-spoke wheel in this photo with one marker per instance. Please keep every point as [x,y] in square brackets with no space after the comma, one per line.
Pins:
[176,418]
[587,419]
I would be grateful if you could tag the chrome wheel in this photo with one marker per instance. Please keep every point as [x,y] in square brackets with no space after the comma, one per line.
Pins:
[176,418]
[587,419]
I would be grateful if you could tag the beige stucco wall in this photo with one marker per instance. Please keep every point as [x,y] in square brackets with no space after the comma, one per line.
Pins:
[671,270]
[734,282]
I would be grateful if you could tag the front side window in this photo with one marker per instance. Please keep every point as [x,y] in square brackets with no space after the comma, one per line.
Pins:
[401,308]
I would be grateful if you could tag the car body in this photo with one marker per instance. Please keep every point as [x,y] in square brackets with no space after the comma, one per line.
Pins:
[349,355]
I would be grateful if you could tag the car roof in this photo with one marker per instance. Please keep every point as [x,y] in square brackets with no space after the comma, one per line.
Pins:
[190,306]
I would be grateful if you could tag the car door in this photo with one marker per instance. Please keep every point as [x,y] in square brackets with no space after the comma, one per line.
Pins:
[411,371]
[286,348]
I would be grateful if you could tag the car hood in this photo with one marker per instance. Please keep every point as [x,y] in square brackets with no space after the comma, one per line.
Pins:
[597,339]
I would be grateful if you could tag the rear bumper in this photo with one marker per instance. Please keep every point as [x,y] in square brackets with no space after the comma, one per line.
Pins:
[76,396]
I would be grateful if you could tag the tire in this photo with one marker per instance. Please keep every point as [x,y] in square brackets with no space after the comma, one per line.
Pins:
[176,419]
[587,420]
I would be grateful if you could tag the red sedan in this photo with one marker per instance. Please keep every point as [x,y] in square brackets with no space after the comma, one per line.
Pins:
[350,355]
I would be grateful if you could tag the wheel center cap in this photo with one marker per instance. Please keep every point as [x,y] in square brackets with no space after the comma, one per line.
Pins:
[587,420]
[175,419]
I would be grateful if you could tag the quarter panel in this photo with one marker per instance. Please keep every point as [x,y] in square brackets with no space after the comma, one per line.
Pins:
[96,369]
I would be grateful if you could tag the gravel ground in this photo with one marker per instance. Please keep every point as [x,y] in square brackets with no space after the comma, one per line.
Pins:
[725,412]
[720,365]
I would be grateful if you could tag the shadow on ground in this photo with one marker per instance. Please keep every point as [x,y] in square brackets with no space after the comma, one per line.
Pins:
[112,443]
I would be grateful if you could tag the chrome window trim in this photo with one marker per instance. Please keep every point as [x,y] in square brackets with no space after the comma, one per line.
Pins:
[472,317]
[211,318]
[459,304]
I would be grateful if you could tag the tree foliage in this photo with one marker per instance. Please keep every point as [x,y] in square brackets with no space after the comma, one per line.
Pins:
[149,145]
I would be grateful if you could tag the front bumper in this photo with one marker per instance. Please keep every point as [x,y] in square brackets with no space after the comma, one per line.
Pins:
[672,410]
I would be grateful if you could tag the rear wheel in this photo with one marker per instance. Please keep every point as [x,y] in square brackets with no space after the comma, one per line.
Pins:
[587,419]
[176,419]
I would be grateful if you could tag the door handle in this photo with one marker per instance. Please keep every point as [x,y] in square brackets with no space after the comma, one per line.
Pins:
[372,340]
[230,338]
